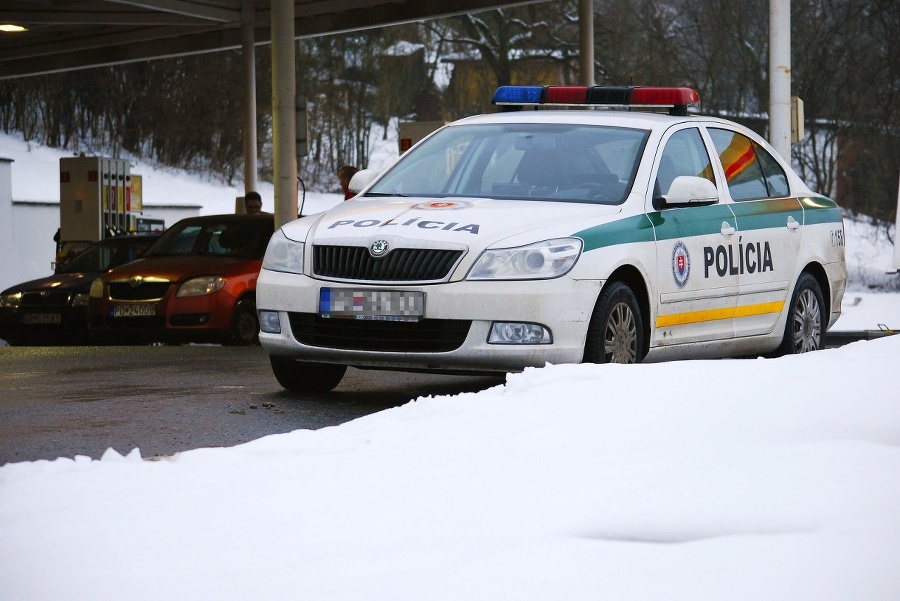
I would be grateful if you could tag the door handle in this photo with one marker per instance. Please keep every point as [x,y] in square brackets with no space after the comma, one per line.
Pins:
[792,224]
[727,230]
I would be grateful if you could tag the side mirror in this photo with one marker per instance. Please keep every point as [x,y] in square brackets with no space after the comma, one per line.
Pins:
[361,179]
[687,190]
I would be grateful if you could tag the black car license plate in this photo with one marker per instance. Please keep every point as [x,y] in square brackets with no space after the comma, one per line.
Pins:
[41,318]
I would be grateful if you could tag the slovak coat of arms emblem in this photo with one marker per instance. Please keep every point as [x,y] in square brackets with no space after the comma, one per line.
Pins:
[681,264]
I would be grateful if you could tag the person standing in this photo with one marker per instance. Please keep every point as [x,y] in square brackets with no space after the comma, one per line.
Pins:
[345,174]
[253,203]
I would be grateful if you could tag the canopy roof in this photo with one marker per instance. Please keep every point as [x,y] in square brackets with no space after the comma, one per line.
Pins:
[64,35]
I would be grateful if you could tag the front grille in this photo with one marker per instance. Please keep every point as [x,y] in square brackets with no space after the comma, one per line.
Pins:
[425,336]
[55,298]
[398,265]
[145,291]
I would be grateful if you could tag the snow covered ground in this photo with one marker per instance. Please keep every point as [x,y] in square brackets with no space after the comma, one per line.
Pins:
[769,479]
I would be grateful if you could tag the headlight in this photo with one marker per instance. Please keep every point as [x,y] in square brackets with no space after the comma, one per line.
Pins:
[283,254]
[11,301]
[97,288]
[80,300]
[201,286]
[543,260]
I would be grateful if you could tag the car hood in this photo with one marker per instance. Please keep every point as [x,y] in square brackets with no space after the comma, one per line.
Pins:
[176,269]
[74,282]
[470,222]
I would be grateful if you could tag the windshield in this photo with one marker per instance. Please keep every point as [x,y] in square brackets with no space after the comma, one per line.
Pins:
[239,238]
[556,162]
[106,255]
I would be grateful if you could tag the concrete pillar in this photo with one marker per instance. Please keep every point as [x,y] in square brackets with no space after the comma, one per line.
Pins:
[780,76]
[284,130]
[586,40]
[897,234]
[248,55]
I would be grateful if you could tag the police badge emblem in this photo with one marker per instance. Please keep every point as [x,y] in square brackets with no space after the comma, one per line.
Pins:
[681,264]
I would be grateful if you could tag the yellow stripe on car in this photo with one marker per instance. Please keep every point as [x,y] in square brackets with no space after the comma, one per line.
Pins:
[679,319]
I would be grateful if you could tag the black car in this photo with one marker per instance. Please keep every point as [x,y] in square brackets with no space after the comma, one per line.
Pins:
[54,310]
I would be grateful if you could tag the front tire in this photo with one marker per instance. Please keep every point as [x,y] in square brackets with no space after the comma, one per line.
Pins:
[616,332]
[298,376]
[244,325]
[805,327]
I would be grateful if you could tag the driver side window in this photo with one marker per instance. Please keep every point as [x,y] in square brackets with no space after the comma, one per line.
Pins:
[684,154]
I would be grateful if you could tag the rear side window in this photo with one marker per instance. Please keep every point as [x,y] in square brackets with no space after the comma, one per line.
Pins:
[750,171]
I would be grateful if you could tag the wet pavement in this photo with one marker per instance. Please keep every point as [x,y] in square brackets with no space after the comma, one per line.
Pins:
[68,401]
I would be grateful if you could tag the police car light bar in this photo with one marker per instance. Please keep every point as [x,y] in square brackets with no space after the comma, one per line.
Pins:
[676,99]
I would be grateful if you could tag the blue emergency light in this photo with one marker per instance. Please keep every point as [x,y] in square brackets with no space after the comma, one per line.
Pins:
[518,95]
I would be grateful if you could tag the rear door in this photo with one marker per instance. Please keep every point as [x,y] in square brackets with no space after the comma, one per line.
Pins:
[769,221]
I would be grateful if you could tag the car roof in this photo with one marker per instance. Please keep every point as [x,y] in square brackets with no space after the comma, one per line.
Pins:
[609,117]
[230,217]
[126,237]
[642,120]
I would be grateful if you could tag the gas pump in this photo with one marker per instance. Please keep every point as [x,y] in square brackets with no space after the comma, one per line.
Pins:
[413,131]
[94,201]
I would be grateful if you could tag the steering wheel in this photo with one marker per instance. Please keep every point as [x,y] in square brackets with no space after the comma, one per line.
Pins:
[595,190]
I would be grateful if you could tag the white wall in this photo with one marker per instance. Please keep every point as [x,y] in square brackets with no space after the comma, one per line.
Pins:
[30,243]
[26,234]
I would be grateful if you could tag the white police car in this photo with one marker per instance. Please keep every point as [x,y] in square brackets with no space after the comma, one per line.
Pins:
[529,237]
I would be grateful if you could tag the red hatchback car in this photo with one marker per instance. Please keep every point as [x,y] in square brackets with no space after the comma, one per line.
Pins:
[197,283]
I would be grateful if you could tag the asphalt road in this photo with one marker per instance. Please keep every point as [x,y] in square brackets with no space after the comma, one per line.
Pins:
[68,401]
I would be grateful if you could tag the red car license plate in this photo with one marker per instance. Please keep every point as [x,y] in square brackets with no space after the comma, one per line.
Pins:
[133,310]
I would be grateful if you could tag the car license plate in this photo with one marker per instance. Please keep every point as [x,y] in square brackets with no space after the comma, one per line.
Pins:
[133,310]
[376,305]
[41,318]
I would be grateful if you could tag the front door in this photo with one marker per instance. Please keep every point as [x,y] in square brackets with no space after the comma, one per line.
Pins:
[697,288]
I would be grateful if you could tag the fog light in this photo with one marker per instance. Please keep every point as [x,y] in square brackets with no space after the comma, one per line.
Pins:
[269,322]
[509,332]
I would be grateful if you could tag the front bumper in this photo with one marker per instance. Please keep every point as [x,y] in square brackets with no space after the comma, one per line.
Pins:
[203,319]
[462,309]
[59,326]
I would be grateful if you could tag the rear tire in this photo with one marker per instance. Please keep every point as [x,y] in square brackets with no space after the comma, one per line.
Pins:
[616,332]
[805,327]
[298,376]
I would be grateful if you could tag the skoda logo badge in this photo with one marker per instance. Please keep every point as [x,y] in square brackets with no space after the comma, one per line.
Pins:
[378,248]
[136,281]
